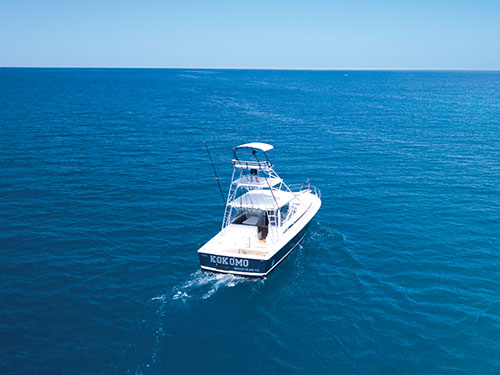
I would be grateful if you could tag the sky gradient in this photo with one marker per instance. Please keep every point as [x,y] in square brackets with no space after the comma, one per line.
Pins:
[255,34]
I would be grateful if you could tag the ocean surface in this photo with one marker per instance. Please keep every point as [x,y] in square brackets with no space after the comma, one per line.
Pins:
[106,193]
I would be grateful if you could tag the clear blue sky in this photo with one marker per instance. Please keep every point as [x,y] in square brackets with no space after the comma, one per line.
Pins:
[275,34]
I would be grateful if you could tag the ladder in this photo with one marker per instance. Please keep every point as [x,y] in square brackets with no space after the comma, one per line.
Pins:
[273,220]
[273,224]
[225,220]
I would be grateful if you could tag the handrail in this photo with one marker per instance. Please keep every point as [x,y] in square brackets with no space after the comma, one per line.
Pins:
[262,165]
[305,186]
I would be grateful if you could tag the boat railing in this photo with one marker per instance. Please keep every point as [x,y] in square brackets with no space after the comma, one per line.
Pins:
[316,191]
[305,186]
[243,164]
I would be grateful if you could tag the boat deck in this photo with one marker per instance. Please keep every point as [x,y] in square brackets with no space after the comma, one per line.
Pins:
[238,239]
[246,251]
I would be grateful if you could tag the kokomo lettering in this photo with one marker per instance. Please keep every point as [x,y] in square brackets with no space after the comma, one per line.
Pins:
[218,259]
[229,261]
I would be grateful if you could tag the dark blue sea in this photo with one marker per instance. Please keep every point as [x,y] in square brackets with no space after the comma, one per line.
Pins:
[107,192]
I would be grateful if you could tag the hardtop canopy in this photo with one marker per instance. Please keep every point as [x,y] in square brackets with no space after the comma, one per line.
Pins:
[264,147]
[263,199]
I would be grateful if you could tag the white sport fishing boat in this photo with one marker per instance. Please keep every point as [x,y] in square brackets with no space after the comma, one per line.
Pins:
[264,219]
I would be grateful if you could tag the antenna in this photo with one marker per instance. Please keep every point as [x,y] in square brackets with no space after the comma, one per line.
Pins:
[215,172]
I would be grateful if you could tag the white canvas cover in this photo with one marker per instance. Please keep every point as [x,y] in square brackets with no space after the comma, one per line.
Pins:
[263,199]
[257,146]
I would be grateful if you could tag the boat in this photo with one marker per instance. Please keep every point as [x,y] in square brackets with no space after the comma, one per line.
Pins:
[264,218]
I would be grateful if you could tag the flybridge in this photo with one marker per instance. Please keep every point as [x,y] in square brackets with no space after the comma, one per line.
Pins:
[245,181]
[254,163]
[255,184]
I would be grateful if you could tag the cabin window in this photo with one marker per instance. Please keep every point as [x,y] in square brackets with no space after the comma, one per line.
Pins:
[287,211]
[284,210]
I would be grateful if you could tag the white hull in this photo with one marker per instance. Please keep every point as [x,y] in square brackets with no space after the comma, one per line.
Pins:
[264,219]
[216,257]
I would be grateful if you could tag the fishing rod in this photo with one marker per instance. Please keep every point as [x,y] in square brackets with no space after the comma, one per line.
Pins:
[215,172]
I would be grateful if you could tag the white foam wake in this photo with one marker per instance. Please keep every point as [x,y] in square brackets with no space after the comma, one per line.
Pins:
[199,286]
[202,285]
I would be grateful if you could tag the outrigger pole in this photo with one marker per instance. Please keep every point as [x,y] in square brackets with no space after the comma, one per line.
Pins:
[215,172]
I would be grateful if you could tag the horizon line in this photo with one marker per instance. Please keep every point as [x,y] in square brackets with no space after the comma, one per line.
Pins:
[250,68]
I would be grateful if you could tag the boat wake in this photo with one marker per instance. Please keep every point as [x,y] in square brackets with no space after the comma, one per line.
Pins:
[202,285]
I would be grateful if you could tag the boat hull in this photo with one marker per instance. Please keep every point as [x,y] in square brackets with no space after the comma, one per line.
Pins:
[248,266]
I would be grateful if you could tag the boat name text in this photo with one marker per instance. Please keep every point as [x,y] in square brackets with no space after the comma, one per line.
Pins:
[229,261]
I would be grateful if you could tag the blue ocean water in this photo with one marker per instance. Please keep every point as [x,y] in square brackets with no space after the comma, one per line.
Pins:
[106,193]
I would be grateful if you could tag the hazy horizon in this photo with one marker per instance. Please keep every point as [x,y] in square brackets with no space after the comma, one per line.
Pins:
[255,68]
